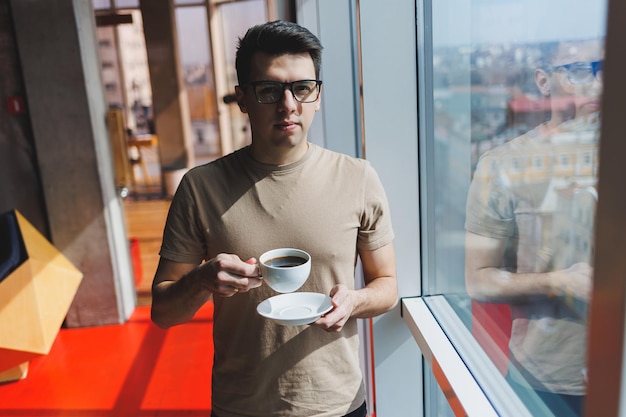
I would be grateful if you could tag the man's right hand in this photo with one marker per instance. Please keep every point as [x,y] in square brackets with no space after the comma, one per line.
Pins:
[226,275]
[180,289]
[576,281]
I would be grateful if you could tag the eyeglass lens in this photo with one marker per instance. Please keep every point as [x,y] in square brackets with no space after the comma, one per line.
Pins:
[304,91]
[583,72]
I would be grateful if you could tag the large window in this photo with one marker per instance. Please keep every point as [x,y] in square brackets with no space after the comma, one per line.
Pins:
[509,140]
[197,68]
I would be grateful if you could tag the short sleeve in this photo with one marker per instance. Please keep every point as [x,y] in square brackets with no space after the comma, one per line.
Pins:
[376,228]
[490,204]
[183,237]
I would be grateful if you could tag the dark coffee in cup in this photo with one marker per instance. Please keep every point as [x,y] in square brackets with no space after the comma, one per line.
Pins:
[286,261]
[285,269]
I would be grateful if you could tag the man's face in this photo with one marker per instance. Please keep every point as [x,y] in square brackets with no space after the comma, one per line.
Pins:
[584,96]
[281,126]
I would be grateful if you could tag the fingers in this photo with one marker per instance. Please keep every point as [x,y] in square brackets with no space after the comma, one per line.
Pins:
[335,320]
[229,285]
[577,282]
[232,275]
[257,269]
[226,291]
[235,266]
[332,322]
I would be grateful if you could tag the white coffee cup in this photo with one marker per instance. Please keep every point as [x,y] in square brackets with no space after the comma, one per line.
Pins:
[285,269]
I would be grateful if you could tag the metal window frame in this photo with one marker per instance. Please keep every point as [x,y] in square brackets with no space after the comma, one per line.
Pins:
[463,393]
[605,357]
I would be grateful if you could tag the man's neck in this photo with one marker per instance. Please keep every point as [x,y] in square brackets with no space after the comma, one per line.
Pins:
[279,155]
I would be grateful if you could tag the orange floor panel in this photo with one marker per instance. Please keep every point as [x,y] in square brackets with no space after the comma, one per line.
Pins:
[129,370]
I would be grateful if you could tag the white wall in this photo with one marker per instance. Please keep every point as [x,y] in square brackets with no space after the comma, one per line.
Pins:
[336,125]
[390,111]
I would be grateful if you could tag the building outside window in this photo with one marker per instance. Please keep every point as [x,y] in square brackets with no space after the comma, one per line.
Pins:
[512,98]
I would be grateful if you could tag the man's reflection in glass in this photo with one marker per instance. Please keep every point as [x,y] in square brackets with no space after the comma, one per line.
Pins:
[529,231]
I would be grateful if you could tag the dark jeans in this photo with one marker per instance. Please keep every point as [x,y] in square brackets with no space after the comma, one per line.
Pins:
[359,412]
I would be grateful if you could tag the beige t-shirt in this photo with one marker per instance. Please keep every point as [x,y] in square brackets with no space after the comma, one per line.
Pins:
[327,204]
[524,192]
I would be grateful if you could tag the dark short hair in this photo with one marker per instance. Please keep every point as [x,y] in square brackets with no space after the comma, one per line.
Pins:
[276,38]
[548,52]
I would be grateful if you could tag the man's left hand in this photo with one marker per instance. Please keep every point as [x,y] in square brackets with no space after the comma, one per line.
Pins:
[343,300]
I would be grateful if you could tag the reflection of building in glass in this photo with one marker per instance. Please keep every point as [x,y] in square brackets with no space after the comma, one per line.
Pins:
[499,95]
[125,71]
[563,156]
[200,89]
[551,179]
[110,67]
[574,225]
[136,74]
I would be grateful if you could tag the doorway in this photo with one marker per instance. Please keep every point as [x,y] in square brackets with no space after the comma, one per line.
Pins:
[205,38]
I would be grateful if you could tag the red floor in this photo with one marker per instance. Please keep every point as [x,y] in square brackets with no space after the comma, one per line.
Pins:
[130,370]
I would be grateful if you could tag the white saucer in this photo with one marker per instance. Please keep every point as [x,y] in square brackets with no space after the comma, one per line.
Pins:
[295,309]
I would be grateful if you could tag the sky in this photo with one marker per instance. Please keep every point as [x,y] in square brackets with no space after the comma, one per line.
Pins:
[455,22]
[516,21]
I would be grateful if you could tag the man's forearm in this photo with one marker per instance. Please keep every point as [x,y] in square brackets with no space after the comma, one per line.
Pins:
[377,297]
[498,285]
[176,302]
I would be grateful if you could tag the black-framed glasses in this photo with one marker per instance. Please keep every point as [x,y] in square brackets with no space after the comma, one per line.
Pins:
[269,92]
[581,72]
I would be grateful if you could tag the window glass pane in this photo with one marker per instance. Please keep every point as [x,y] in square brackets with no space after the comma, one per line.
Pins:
[438,403]
[512,161]
[236,19]
[183,2]
[110,66]
[195,55]
[121,4]
[101,4]
[137,88]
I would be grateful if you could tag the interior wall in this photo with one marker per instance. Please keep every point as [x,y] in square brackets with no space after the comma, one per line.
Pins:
[66,108]
[389,64]
[20,186]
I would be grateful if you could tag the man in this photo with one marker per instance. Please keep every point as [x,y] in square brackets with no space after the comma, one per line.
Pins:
[530,231]
[281,191]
